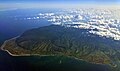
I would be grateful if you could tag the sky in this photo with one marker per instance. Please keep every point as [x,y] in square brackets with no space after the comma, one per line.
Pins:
[80,1]
[12,4]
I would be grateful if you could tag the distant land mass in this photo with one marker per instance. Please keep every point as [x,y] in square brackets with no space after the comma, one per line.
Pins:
[55,40]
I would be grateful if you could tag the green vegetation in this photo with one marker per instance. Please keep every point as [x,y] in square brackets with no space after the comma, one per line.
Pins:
[59,40]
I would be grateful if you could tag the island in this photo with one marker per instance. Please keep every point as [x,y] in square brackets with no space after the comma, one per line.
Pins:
[56,40]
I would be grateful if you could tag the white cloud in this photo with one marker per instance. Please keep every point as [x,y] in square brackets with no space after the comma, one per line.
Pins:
[106,21]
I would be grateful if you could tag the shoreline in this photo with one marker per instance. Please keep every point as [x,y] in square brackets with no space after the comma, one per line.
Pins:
[48,55]
[2,48]
[28,55]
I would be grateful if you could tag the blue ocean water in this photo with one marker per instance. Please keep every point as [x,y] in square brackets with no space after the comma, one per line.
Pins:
[13,23]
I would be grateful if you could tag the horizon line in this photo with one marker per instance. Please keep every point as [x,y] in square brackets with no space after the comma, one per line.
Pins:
[54,5]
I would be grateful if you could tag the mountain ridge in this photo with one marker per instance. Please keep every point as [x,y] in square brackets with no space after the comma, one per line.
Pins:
[68,41]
